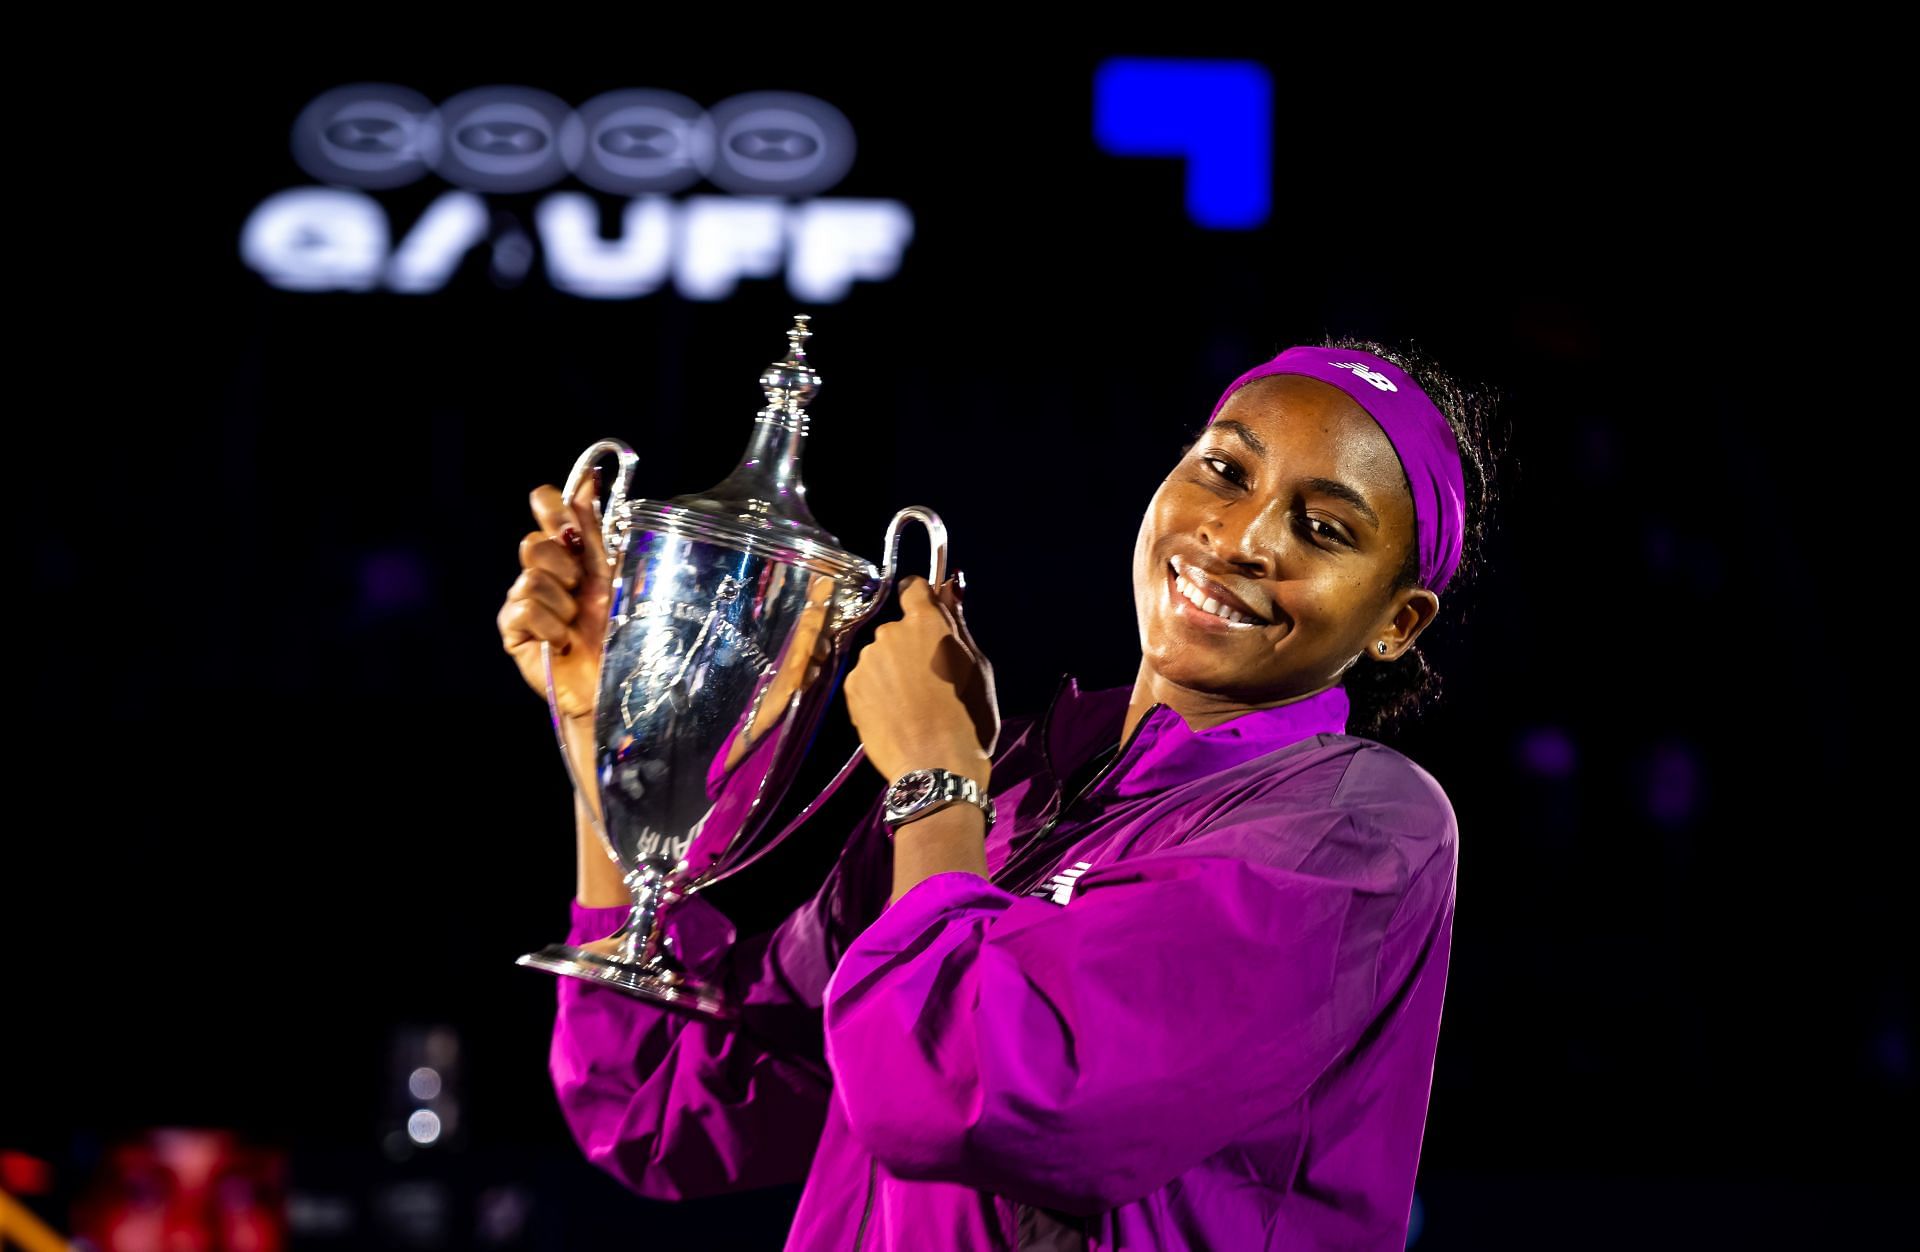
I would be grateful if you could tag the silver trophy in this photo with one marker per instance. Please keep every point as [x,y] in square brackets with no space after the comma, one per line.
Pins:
[730,615]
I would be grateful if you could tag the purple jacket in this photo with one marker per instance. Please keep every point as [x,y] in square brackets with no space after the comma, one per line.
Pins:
[1195,1007]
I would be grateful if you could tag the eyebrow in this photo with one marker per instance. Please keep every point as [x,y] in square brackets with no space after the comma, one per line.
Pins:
[1340,491]
[1325,486]
[1246,436]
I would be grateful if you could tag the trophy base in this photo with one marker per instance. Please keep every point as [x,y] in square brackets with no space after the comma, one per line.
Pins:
[660,980]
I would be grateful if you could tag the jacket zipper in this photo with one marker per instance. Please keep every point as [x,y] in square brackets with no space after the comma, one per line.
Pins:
[1031,852]
[859,1236]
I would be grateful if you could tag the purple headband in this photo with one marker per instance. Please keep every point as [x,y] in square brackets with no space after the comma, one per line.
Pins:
[1419,433]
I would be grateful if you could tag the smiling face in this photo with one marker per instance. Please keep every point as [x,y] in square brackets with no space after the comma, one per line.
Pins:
[1291,514]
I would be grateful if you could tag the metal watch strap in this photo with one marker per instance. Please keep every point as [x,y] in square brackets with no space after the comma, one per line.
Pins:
[919,792]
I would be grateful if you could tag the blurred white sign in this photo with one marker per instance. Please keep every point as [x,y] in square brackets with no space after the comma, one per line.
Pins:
[776,152]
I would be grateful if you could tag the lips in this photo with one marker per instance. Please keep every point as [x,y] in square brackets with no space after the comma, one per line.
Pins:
[1211,597]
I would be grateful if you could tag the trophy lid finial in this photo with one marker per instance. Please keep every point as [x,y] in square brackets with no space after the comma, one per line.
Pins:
[791,383]
[765,491]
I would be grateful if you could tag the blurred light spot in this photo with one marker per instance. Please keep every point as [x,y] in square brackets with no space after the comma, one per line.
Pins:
[503,1213]
[635,142]
[506,138]
[424,1083]
[1549,752]
[633,263]
[1673,785]
[24,1175]
[443,1047]
[836,242]
[424,1126]
[415,1215]
[237,1193]
[512,257]
[1218,115]
[317,239]
[392,582]
[779,143]
[318,1216]
[724,239]
[452,226]
[367,135]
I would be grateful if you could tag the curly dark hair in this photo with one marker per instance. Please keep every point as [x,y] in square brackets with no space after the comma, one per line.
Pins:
[1385,696]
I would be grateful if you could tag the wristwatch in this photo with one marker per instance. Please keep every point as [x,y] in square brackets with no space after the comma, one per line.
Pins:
[919,792]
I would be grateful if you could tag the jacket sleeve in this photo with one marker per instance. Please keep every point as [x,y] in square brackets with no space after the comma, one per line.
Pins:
[1079,1057]
[680,1108]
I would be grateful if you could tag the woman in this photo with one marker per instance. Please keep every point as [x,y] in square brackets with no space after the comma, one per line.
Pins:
[1184,990]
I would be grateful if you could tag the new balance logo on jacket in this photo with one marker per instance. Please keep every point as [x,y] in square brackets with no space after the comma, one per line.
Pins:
[1060,887]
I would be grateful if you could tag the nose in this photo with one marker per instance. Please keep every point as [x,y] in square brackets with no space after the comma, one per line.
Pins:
[1247,535]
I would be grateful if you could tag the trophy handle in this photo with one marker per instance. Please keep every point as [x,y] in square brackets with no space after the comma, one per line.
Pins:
[890,558]
[889,555]
[612,514]
[936,537]
[611,518]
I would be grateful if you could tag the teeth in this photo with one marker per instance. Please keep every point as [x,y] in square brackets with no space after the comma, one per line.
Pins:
[1207,604]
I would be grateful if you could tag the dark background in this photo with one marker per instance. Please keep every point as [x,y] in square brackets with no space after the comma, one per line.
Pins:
[290,800]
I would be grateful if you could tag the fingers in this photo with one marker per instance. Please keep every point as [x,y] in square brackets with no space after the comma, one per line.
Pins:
[917,601]
[550,511]
[948,594]
[915,595]
[541,552]
[574,525]
[586,511]
[543,588]
[526,620]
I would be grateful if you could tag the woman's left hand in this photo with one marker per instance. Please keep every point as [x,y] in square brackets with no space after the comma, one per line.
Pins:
[921,694]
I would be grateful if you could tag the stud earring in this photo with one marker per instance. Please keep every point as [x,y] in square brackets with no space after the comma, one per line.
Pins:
[1382,645]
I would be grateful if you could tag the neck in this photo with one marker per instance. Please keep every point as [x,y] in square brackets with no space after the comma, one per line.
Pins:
[1200,710]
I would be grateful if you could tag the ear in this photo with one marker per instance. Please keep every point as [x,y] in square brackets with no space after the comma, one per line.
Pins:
[1415,609]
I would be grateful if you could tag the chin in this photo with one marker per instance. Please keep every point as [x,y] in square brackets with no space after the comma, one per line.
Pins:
[1196,674]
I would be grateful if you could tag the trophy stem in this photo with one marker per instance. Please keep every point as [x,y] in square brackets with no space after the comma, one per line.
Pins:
[638,958]
[644,940]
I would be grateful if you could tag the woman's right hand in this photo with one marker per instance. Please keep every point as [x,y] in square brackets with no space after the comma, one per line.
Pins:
[561,598]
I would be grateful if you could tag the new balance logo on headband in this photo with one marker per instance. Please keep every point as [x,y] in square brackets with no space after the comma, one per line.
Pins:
[1373,376]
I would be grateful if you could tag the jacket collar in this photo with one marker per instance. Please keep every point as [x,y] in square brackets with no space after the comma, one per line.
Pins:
[1164,751]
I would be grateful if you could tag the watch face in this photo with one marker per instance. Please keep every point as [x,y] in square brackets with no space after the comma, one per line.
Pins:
[910,789]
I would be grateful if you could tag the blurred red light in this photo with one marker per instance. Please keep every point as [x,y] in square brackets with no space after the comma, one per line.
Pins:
[23,1174]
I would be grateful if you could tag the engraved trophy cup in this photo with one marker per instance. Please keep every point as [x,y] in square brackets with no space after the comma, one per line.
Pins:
[731,611]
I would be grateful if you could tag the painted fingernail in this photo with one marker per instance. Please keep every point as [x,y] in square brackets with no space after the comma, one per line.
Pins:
[570,536]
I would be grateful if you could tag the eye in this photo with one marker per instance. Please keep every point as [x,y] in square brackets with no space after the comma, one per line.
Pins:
[1225,467]
[1331,532]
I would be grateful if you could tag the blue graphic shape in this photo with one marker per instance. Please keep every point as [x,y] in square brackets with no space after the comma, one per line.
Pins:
[1216,115]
